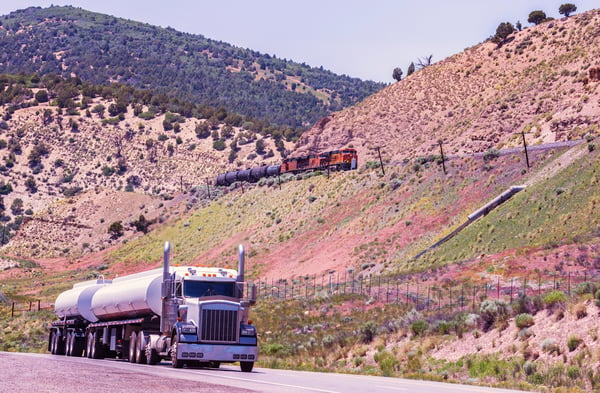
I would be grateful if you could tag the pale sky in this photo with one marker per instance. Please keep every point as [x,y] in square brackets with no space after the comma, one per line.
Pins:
[363,39]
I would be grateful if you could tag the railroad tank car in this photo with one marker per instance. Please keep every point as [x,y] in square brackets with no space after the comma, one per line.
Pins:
[258,172]
[273,170]
[231,177]
[243,175]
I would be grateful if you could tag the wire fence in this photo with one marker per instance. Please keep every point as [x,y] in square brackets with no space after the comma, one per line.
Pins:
[427,295]
[424,294]
[36,305]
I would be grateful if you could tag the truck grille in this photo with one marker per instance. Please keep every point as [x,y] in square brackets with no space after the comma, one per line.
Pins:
[219,325]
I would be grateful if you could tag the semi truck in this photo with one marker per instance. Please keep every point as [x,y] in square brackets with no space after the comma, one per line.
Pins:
[190,315]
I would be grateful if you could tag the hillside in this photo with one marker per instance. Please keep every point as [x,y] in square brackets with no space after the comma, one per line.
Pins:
[87,156]
[541,81]
[99,48]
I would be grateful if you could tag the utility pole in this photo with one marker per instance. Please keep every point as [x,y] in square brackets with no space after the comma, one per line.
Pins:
[380,161]
[525,148]
[440,142]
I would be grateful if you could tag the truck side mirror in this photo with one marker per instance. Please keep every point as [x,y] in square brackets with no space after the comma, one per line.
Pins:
[252,288]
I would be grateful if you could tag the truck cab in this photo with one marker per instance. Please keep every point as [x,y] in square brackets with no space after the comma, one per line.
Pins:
[212,323]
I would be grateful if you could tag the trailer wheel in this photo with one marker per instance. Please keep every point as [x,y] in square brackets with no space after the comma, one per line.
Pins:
[97,350]
[132,346]
[175,363]
[58,347]
[89,345]
[78,345]
[140,354]
[246,366]
[69,344]
[52,346]
[93,347]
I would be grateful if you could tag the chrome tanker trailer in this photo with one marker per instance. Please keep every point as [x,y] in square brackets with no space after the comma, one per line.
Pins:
[186,314]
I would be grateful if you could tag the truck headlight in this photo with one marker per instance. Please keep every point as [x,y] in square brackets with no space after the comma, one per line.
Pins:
[248,330]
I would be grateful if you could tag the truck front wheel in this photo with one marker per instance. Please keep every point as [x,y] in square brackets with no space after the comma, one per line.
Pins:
[246,366]
[175,363]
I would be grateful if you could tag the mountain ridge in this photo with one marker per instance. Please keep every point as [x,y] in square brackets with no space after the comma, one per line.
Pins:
[98,48]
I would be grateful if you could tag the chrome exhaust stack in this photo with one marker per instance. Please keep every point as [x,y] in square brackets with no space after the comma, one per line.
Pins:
[169,309]
[241,266]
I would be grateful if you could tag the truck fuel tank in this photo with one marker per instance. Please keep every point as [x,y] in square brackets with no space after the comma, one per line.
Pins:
[130,296]
[77,302]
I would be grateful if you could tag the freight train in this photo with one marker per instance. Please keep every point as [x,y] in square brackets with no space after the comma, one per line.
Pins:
[344,159]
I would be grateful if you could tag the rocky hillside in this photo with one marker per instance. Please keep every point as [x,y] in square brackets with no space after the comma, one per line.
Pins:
[542,80]
[74,163]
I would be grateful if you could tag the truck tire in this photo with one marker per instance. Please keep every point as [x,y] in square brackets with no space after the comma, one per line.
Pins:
[52,344]
[69,344]
[89,344]
[152,357]
[97,350]
[140,348]
[132,346]
[58,346]
[78,345]
[246,366]
[175,363]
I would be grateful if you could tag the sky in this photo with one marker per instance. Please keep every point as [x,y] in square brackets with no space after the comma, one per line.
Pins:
[364,39]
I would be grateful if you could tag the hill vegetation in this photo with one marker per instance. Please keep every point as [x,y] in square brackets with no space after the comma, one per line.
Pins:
[98,48]
[63,137]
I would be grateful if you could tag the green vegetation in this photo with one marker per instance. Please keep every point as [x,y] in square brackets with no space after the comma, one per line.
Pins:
[555,299]
[524,320]
[99,48]
[26,332]
[536,17]
[567,9]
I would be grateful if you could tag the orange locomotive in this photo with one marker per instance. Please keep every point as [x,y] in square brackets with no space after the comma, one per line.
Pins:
[337,159]
[344,159]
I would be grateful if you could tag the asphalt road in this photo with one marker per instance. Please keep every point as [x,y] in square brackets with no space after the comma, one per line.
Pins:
[39,373]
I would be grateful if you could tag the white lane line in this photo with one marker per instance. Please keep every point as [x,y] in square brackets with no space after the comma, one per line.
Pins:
[305,388]
[388,387]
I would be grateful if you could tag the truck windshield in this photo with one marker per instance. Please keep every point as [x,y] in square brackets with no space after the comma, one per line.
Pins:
[202,288]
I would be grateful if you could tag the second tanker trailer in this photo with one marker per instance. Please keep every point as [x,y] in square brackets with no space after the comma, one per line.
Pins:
[188,315]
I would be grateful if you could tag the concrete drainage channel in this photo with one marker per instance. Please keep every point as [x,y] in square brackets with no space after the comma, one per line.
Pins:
[482,211]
